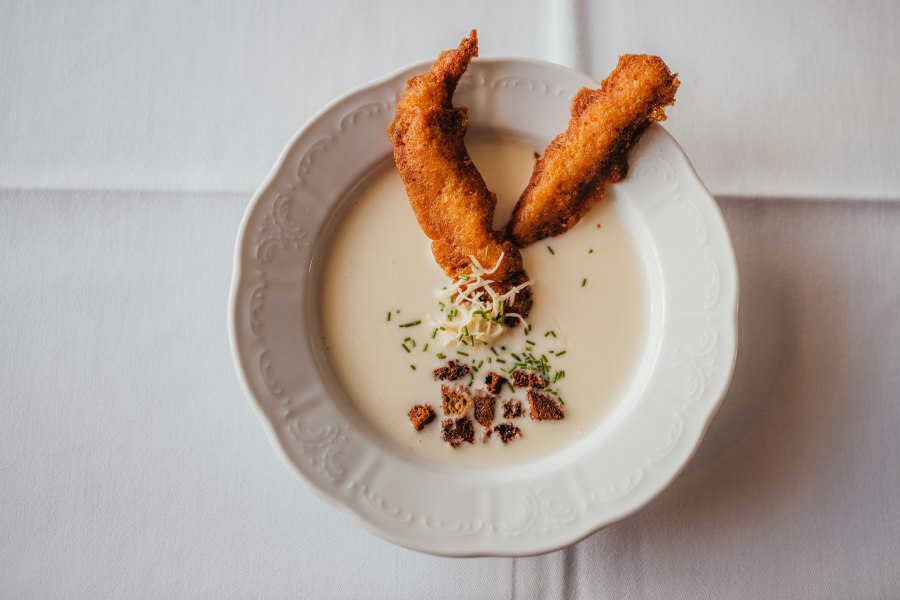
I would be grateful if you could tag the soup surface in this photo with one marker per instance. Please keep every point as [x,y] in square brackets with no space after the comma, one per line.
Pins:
[589,320]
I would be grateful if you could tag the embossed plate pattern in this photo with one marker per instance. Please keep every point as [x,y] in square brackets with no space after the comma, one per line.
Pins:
[521,510]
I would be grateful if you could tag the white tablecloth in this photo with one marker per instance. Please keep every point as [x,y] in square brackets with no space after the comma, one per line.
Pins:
[131,138]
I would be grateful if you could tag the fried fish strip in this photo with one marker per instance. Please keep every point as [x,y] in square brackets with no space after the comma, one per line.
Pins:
[452,203]
[593,150]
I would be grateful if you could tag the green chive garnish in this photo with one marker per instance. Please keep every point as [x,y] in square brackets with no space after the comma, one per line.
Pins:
[551,250]
[412,323]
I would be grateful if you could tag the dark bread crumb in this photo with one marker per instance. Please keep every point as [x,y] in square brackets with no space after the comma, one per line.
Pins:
[485,405]
[544,407]
[452,371]
[457,431]
[455,400]
[421,415]
[512,409]
[494,382]
[508,432]
[528,379]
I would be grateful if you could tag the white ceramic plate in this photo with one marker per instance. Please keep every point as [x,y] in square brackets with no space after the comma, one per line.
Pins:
[526,509]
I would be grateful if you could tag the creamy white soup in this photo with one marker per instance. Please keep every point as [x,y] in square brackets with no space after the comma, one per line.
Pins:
[379,306]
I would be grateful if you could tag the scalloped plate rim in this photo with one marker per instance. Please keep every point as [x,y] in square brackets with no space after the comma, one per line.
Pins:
[275,439]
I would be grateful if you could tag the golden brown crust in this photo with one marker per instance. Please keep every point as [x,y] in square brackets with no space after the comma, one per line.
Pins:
[593,150]
[453,205]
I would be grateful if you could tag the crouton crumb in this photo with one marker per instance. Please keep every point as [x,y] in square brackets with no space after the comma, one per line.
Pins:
[421,415]
[455,400]
[528,379]
[508,432]
[512,409]
[494,382]
[544,407]
[485,405]
[452,371]
[457,431]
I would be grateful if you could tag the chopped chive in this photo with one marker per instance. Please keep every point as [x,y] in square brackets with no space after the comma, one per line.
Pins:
[511,388]
[529,342]
[551,250]
[405,348]
[584,282]
[389,316]
[461,352]
[425,347]
[494,351]
[407,338]
[412,323]
[434,333]
[516,356]
[471,380]
[551,332]
[500,360]
[590,250]
[561,353]
[441,355]
[413,367]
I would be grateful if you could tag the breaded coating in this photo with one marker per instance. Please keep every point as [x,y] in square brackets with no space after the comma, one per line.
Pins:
[452,203]
[593,150]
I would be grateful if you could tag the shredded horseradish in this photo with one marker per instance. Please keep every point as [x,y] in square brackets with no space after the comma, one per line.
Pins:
[472,311]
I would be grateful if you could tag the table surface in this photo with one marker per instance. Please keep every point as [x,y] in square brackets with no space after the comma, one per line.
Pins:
[131,138]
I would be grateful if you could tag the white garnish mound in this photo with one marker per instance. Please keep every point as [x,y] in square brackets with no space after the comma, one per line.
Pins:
[472,312]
